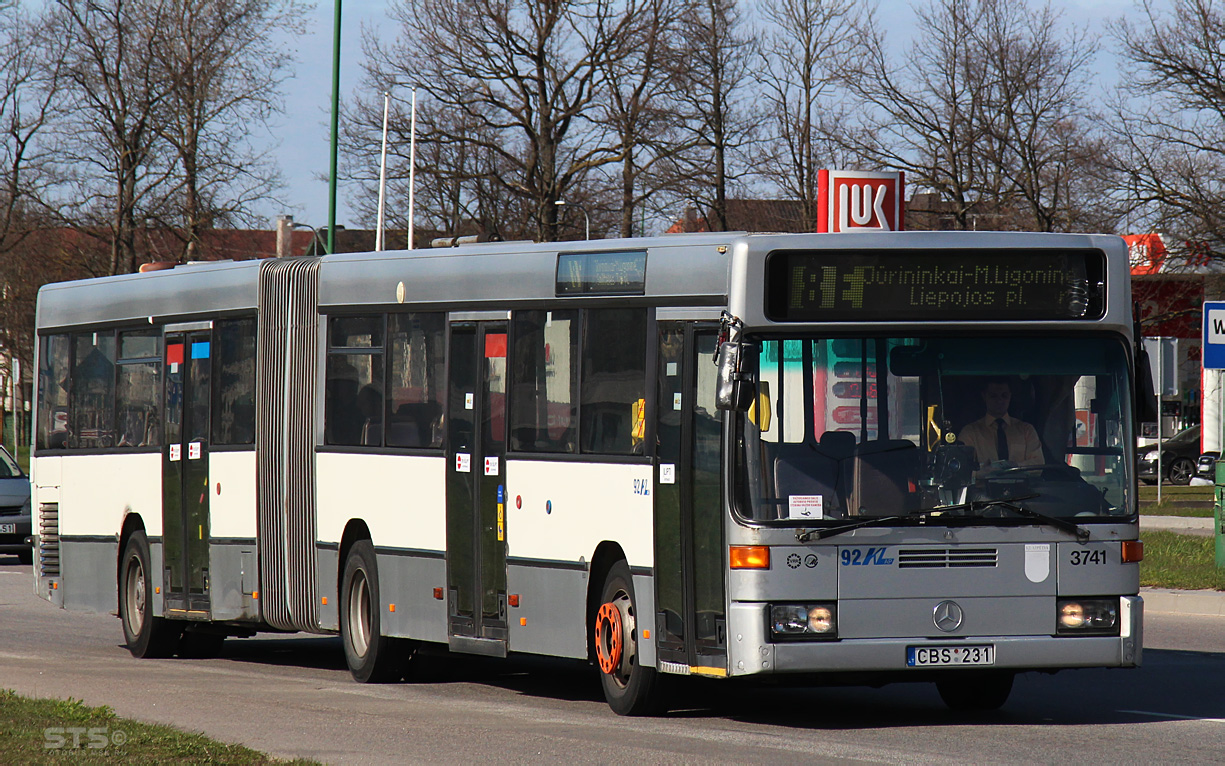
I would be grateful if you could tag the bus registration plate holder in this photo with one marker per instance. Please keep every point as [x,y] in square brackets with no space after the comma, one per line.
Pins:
[950,655]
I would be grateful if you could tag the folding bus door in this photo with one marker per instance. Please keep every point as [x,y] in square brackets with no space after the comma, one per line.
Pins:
[690,621]
[185,527]
[476,487]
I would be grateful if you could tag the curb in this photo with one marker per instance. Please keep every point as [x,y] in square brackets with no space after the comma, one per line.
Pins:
[1189,602]
[1187,525]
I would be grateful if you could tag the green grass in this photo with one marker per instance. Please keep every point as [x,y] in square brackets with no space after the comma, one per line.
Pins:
[1179,561]
[1176,501]
[24,737]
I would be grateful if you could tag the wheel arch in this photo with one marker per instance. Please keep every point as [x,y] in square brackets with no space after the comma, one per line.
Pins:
[132,522]
[606,555]
[355,530]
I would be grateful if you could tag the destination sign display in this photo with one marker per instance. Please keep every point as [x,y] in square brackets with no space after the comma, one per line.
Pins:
[616,273]
[918,285]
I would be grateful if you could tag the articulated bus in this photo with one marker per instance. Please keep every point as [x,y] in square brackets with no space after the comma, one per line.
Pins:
[828,458]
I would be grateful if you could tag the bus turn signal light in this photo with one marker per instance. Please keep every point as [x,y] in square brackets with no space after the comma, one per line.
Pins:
[749,556]
[1133,551]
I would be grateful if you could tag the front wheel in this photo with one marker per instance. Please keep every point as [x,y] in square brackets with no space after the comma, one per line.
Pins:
[372,657]
[976,692]
[144,634]
[629,687]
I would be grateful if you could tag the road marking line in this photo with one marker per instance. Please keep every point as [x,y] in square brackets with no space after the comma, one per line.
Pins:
[1171,715]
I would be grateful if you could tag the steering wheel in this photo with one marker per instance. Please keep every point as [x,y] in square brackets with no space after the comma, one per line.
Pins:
[1061,470]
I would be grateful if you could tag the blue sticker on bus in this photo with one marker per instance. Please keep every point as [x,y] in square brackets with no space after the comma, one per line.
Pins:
[858,557]
[501,494]
[199,350]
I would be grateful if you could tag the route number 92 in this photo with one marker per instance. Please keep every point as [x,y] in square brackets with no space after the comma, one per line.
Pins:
[1084,558]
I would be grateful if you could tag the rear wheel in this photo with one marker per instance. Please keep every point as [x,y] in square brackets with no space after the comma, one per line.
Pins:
[1181,470]
[371,656]
[980,692]
[145,635]
[629,687]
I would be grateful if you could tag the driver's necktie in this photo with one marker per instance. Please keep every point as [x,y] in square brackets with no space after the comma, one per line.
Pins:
[1001,440]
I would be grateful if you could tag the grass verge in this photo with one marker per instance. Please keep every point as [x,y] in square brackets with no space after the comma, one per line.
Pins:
[1179,561]
[39,731]
[1176,501]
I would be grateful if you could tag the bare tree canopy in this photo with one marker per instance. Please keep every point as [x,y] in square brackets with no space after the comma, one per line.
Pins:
[1171,132]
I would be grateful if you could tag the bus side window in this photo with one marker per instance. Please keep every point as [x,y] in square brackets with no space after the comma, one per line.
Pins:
[92,410]
[53,384]
[234,413]
[415,380]
[544,381]
[613,380]
[138,389]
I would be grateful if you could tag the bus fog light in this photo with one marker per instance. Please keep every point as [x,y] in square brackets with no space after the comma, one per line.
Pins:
[1082,616]
[803,621]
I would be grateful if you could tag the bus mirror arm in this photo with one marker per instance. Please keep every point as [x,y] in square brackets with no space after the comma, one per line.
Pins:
[734,390]
[1146,393]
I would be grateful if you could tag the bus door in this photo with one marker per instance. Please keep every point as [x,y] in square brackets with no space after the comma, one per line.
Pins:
[185,527]
[690,620]
[476,487]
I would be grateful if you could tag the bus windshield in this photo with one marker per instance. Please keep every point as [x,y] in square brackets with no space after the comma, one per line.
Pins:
[853,427]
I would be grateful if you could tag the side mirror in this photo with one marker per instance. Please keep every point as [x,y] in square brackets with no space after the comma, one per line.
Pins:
[1146,392]
[734,389]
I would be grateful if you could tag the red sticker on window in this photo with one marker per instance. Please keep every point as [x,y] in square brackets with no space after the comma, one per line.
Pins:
[174,353]
[495,346]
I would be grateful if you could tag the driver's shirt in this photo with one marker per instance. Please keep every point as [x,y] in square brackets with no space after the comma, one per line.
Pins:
[1024,448]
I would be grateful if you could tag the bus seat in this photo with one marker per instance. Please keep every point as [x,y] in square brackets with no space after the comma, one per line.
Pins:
[880,474]
[372,433]
[806,469]
[403,433]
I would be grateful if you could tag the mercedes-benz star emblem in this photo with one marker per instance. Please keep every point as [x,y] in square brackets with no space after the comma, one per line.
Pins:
[947,616]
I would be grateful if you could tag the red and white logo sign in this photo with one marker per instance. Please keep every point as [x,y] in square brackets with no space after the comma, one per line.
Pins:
[850,200]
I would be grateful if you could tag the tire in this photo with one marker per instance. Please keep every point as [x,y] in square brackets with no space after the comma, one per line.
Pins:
[1181,471]
[26,556]
[146,636]
[630,688]
[372,657]
[976,692]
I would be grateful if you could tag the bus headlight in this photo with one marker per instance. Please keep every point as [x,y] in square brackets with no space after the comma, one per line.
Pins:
[1087,616]
[803,621]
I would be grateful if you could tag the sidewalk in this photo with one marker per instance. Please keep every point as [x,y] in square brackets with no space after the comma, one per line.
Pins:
[1183,525]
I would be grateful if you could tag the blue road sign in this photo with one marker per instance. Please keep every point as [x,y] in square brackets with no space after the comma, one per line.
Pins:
[1214,335]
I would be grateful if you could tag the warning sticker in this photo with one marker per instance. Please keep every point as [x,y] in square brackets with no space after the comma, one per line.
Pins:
[805,507]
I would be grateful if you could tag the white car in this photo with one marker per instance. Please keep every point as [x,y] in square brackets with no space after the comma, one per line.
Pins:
[15,526]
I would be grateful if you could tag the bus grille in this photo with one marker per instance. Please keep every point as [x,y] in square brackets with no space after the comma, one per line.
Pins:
[946,558]
[49,539]
[287,368]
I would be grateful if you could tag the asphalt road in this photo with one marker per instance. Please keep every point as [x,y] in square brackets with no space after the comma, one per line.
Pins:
[293,697]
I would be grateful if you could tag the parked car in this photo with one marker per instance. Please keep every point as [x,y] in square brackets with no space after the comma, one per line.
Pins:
[1205,467]
[15,526]
[1178,458]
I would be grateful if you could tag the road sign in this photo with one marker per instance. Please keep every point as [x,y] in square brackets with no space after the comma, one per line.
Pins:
[1214,335]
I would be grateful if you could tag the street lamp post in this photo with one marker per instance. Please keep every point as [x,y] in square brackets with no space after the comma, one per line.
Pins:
[586,218]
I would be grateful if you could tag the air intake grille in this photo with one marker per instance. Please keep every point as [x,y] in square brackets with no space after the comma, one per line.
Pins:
[49,540]
[285,414]
[946,558]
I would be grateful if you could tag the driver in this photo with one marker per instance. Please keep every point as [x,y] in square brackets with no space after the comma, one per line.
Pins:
[1000,440]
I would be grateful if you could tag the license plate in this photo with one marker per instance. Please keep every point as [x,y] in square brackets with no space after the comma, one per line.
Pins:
[8,529]
[937,656]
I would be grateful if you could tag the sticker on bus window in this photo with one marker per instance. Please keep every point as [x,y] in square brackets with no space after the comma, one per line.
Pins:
[176,453]
[805,507]
[491,466]
[199,350]
[469,401]
[193,451]
[667,473]
[463,462]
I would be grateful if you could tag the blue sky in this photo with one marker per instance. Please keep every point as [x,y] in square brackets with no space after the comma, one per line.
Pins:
[299,139]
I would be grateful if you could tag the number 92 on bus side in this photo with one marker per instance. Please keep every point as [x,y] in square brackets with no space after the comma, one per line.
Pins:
[945,655]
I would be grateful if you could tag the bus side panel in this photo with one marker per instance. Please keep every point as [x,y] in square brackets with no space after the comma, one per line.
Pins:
[557,514]
[232,505]
[402,501]
[96,494]
[569,508]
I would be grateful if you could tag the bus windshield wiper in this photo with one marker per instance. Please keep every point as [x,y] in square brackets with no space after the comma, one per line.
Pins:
[1082,534]
[1010,504]
[804,535]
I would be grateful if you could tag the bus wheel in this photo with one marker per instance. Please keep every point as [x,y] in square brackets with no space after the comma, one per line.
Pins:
[372,657]
[145,635]
[979,692]
[629,688]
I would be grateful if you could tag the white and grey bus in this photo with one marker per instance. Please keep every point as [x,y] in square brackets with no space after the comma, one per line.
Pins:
[724,455]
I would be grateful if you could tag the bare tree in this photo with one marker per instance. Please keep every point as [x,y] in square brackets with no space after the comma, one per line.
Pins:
[222,65]
[713,76]
[1171,136]
[797,77]
[524,73]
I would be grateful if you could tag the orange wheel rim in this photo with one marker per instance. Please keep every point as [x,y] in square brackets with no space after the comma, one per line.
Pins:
[608,637]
